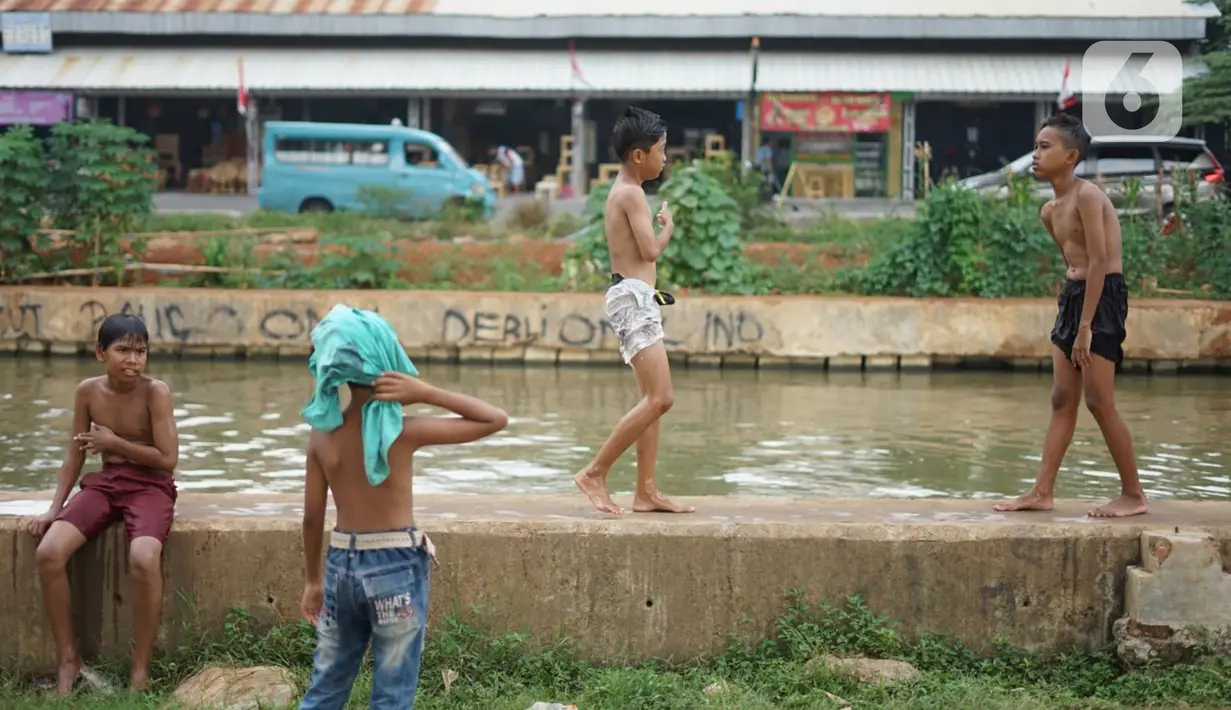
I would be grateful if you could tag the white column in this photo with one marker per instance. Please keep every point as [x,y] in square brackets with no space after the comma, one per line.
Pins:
[412,112]
[121,111]
[425,114]
[579,156]
[908,150]
[748,151]
[252,130]
[1042,109]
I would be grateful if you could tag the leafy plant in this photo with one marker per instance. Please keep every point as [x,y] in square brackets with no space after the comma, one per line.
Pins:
[706,250]
[103,179]
[23,191]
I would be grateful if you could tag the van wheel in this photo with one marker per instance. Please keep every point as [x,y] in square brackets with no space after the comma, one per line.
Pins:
[315,205]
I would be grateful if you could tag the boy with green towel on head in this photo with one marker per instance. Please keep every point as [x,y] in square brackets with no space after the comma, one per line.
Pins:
[374,583]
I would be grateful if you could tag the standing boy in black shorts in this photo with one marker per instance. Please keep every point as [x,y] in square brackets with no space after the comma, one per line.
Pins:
[1089,330]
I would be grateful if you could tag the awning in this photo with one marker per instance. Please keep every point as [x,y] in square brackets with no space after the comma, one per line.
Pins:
[430,71]
[1023,76]
[519,73]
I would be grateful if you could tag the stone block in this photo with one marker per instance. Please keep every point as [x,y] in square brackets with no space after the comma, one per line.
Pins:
[915,363]
[1026,364]
[506,356]
[1180,582]
[541,356]
[881,363]
[442,354]
[770,362]
[1136,367]
[739,362]
[1164,367]
[477,355]
[846,362]
[700,361]
[809,363]
[573,357]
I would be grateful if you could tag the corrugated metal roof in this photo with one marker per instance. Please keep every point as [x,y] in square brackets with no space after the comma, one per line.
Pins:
[650,8]
[514,72]
[426,71]
[943,74]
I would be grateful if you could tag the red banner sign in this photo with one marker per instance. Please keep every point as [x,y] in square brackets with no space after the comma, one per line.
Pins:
[825,113]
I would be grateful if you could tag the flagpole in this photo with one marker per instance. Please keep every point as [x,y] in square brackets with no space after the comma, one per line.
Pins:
[752,109]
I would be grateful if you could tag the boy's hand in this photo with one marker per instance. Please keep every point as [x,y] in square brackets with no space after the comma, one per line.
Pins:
[311,602]
[38,526]
[97,440]
[664,217]
[1081,348]
[400,387]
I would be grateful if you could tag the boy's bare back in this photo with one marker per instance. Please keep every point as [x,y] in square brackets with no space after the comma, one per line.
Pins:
[361,506]
[1063,218]
[630,232]
[131,415]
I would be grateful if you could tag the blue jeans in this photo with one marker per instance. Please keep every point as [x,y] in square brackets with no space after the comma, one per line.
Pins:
[379,595]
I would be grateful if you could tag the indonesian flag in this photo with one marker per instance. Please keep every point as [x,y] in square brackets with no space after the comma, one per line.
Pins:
[1066,99]
[572,59]
[241,99]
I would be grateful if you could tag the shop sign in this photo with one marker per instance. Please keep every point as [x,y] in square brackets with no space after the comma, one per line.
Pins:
[35,108]
[26,32]
[826,113]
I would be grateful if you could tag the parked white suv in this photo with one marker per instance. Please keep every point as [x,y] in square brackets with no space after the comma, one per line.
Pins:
[1114,162]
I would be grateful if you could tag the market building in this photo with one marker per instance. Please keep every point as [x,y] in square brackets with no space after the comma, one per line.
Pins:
[843,92]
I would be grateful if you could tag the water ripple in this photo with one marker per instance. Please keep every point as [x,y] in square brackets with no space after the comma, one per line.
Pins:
[974,435]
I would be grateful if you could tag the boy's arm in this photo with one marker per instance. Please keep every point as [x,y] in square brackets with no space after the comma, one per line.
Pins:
[475,419]
[74,459]
[315,497]
[165,453]
[632,202]
[1090,210]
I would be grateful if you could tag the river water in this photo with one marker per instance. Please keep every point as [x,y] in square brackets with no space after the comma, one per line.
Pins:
[770,433]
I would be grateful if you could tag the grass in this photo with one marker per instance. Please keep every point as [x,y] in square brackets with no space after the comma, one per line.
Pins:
[506,672]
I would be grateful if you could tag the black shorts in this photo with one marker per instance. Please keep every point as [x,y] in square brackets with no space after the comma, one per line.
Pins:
[1107,328]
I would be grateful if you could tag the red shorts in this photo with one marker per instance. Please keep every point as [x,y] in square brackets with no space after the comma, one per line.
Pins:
[145,498]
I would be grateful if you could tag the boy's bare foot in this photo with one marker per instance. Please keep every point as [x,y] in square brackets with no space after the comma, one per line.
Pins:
[1121,507]
[656,503]
[1030,501]
[596,490]
[66,676]
[139,680]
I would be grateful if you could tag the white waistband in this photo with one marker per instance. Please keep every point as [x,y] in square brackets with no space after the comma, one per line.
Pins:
[379,541]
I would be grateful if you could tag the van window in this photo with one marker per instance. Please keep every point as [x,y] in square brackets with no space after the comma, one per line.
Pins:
[300,151]
[421,155]
[1125,160]
[1185,157]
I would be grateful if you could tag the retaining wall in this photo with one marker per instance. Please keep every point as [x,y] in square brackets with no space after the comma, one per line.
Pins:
[562,328]
[641,586]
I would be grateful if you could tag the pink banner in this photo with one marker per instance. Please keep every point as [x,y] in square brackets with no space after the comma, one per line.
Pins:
[36,108]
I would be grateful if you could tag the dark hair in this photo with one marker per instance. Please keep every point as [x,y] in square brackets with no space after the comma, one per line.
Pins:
[636,129]
[119,326]
[1072,132]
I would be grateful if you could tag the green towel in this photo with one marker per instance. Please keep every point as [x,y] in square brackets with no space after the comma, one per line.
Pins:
[350,345]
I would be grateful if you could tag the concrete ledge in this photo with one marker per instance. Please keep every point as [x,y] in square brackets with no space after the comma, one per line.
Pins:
[552,329]
[643,586]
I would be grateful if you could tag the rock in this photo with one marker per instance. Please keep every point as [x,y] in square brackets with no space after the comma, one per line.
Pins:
[258,688]
[551,706]
[872,671]
[716,688]
[1139,644]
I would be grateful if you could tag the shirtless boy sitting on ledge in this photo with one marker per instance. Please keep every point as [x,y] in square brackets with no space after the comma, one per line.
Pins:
[1089,331]
[127,418]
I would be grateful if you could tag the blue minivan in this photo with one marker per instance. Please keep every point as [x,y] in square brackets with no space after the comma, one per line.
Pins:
[353,167]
